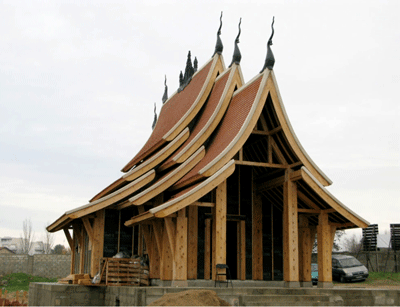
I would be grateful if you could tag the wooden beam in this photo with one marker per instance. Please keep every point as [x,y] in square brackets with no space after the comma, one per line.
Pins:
[271,132]
[257,244]
[260,164]
[207,249]
[220,224]
[69,239]
[167,260]
[263,121]
[305,249]
[308,201]
[88,228]
[98,242]
[181,248]
[192,242]
[310,211]
[171,232]
[324,249]
[203,204]
[82,254]
[278,152]
[242,250]
[158,233]
[290,232]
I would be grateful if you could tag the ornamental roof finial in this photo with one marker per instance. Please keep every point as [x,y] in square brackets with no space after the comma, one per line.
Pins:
[155,117]
[218,46]
[237,56]
[270,60]
[165,96]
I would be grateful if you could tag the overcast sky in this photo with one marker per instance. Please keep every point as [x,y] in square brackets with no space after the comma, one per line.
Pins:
[78,83]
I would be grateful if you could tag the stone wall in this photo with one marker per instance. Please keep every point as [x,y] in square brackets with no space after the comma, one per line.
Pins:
[50,266]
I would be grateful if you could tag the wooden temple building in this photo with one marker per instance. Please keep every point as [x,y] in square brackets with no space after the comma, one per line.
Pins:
[222,179]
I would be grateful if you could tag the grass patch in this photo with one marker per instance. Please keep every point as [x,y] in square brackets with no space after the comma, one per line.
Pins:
[21,281]
[383,278]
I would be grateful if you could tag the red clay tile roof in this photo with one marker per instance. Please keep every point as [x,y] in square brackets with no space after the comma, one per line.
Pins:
[209,109]
[230,126]
[171,112]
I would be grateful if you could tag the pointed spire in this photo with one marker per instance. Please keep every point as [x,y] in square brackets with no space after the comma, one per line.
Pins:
[195,63]
[189,72]
[218,46]
[237,56]
[270,60]
[180,79]
[155,117]
[165,96]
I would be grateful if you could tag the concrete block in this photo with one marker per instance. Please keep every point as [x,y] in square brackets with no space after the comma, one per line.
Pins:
[325,284]
[292,284]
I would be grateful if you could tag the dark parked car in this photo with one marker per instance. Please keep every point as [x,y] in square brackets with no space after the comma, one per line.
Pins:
[348,268]
[314,273]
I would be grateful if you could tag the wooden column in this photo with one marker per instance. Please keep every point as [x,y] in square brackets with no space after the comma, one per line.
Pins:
[290,235]
[241,271]
[180,267]
[166,265]
[257,244]
[305,250]
[219,229]
[325,244]
[192,242]
[71,244]
[207,249]
[98,242]
[82,249]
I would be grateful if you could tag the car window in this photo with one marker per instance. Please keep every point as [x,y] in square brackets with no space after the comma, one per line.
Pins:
[350,262]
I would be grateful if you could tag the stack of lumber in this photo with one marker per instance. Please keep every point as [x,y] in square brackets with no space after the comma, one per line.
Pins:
[75,279]
[124,272]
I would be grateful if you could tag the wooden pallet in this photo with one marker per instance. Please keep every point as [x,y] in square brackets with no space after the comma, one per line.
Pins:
[123,272]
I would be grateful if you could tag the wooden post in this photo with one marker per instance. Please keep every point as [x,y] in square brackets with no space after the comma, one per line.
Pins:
[305,250]
[82,254]
[242,250]
[180,268]
[167,260]
[220,225]
[257,246]
[71,243]
[98,242]
[325,244]
[192,242]
[207,249]
[290,235]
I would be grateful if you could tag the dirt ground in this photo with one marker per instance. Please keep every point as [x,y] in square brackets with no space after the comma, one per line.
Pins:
[378,284]
[190,298]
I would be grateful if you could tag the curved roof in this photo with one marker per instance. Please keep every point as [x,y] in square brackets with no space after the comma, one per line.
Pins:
[233,131]
[210,117]
[178,111]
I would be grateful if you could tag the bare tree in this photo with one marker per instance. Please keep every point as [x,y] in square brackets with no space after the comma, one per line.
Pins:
[352,244]
[336,246]
[48,242]
[27,237]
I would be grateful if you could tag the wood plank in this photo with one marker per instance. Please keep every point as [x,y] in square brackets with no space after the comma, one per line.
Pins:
[88,228]
[171,233]
[324,249]
[220,223]
[192,242]
[158,233]
[207,249]
[310,211]
[242,249]
[69,239]
[290,232]
[332,201]
[203,204]
[181,247]
[82,254]
[257,244]
[166,266]
[260,164]
[98,242]
[305,249]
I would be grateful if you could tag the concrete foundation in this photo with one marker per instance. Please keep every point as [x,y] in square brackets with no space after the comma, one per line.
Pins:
[50,294]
